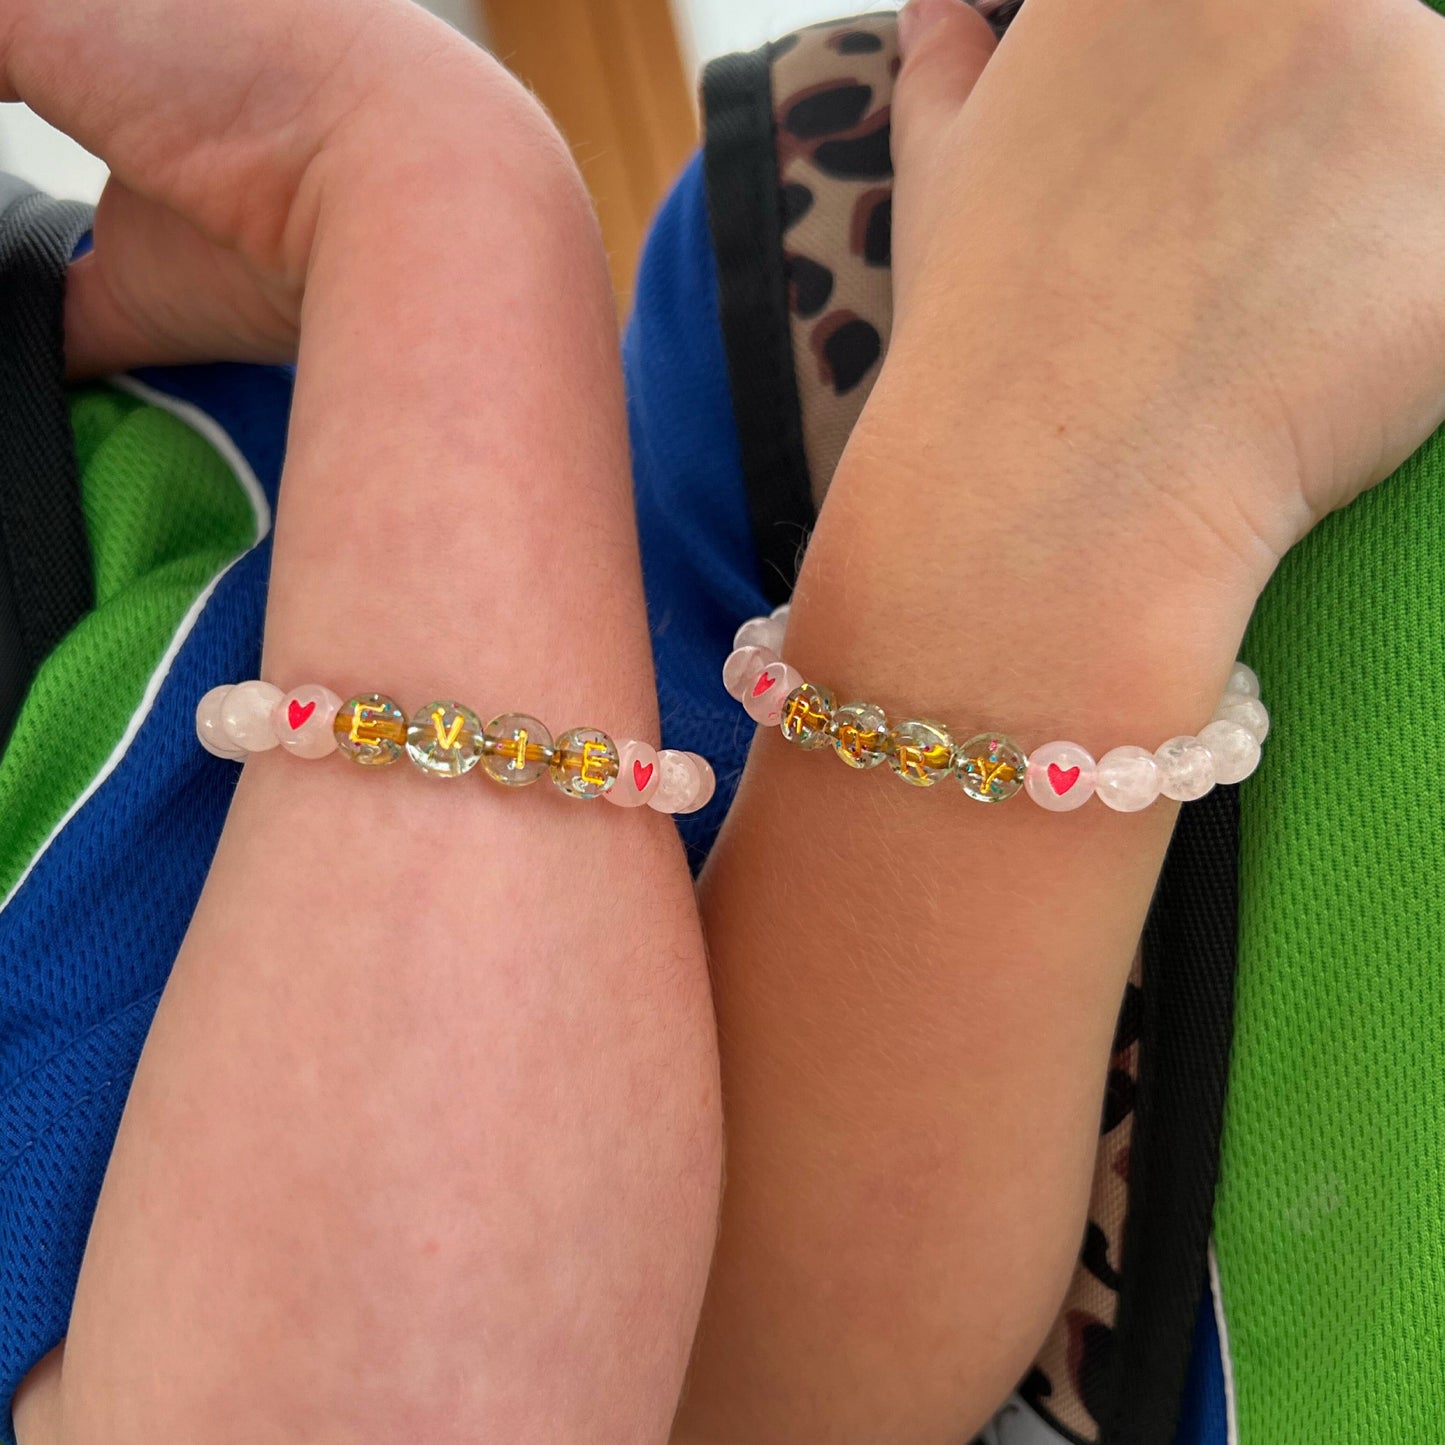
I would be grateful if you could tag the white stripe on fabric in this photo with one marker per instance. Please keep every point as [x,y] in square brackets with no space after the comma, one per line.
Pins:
[1017,1424]
[208,427]
[1231,1418]
[211,430]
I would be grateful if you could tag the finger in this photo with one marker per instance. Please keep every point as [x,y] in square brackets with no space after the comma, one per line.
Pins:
[155,292]
[945,44]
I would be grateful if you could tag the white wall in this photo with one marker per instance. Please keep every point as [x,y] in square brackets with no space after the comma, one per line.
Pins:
[714,27]
[706,28]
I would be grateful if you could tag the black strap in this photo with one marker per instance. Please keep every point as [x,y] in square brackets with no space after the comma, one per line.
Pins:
[46,584]
[1190,956]
[740,171]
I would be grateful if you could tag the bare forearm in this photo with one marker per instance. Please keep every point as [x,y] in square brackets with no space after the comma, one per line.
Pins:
[427,1120]
[916,994]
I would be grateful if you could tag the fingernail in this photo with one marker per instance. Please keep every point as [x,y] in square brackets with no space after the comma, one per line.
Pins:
[916,19]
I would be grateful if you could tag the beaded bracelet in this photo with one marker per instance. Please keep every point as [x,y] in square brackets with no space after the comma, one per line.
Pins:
[990,767]
[447,740]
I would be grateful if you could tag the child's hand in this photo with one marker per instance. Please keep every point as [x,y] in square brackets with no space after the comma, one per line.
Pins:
[226,128]
[1198,243]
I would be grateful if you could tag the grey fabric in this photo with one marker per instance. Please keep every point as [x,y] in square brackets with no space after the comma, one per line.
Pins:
[46,584]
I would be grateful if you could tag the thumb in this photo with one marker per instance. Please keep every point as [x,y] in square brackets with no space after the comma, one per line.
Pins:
[945,45]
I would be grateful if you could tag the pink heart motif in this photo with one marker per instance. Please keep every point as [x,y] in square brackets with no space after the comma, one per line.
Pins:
[763,684]
[1062,779]
[296,714]
[641,776]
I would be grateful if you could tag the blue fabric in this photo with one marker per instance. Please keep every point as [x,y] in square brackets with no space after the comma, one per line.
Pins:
[1202,1416]
[88,939]
[698,557]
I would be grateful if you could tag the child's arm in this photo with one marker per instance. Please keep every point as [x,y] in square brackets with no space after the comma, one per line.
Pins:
[1169,290]
[424,1143]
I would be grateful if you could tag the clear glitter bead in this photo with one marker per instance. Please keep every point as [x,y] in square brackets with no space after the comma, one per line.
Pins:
[990,767]
[1128,779]
[1243,679]
[1186,769]
[518,749]
[1060,777]
[681,782]
[209,732]
[1241,708]
[584,764]
[445,740]
[1235,749]
[806,716]
[742,667]
[859,732]
[304,719]
[246,716]
[761,632]
[765,699]
[370,729]
[920,752]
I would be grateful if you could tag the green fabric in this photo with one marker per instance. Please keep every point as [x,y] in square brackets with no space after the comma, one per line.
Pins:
[1329,1224]
[164,514]
[1330,1220]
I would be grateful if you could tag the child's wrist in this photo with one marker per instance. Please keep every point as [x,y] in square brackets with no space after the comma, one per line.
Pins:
[1018,587]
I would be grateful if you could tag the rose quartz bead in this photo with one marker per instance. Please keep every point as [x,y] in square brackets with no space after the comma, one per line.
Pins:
[1060,777]
[1235,749]
[1128,779]
[638,774]
[1241,708]
[706,786]
[1186,769]
[761,632]
[302,721]
[679,784]
[1243,679]
[742,667]
[246,716]
[208,726]
[782,613]
[768,695]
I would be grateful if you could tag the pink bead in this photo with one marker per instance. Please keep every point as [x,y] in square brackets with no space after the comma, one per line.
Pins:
[742,667]
[768,693]
[1060,777]
[302,721]
[707,784]
[1128,779]
[246,716]
[208,726]
[638,774]
[761,632]
[679,784]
